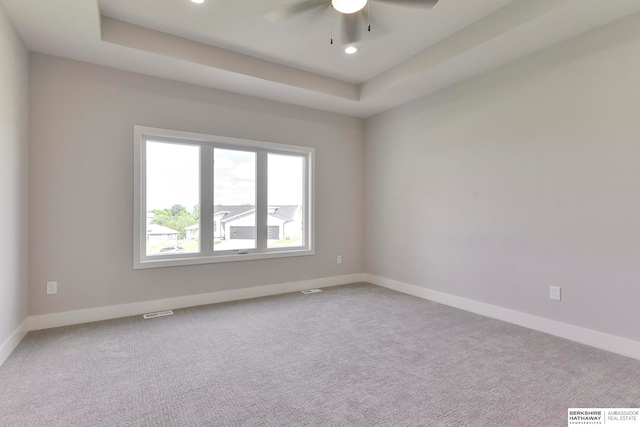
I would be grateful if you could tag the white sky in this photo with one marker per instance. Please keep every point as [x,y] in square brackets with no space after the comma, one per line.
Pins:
[173,176]
[285,180]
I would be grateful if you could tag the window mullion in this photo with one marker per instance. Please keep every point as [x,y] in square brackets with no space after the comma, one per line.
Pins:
[308,203]
[305,202]
[206,200]
[141,202]
[261,201]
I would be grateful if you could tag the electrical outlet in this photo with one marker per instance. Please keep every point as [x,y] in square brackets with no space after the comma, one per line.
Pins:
[554,293]
[339,259]
[52,288]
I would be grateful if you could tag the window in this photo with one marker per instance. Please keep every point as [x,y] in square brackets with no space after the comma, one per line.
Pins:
[203,199]
[286,178]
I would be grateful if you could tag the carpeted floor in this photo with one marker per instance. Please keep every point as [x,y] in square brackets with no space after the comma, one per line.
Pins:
[355,355]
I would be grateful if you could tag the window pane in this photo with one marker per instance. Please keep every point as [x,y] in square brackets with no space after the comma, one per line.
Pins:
[173,198]
[285,201]
[234,198]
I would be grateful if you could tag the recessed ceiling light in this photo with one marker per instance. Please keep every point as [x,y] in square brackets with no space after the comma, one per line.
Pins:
[198,1]
[351,50]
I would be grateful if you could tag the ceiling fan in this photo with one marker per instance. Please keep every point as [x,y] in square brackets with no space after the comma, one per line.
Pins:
[352,13]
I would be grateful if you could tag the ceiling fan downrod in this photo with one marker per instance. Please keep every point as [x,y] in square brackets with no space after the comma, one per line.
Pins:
[367,4]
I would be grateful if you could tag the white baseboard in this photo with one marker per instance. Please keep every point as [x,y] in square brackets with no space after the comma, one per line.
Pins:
[612,343]
[67,318]
[12,342]
[615,344]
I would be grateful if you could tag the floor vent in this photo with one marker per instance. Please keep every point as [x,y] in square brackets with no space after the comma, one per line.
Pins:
[311,291]
[158,314]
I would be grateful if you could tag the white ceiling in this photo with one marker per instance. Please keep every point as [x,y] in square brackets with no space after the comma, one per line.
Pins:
[230,45]
[303,41]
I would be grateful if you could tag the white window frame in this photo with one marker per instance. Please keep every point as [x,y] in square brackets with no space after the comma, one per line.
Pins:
[207,143]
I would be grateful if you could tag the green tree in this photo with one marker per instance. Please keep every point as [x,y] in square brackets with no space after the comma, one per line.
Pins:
[177,210]
[196,212]
[176,217]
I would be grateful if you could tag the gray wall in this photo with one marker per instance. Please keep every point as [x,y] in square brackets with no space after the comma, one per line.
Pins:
[492,190]
[14,91]
[526,177]
[81,217]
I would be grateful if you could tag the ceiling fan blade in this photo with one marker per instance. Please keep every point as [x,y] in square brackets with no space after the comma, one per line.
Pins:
[287,11]
[412,3]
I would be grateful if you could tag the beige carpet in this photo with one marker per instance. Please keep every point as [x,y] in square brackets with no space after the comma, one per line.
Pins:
[355,355]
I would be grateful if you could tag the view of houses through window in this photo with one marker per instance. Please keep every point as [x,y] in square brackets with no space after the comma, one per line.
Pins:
[234,197]
[173,199]
[173,188]
[285,200]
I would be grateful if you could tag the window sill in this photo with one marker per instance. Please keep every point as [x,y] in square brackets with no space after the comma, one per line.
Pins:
[167,261]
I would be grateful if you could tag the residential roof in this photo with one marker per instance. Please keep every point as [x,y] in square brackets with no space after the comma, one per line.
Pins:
[160,229]
[232,210]
[283,212]
[286,212]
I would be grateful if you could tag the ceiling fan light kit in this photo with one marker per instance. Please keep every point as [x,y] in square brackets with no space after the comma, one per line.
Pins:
[352,14]
[348,6]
